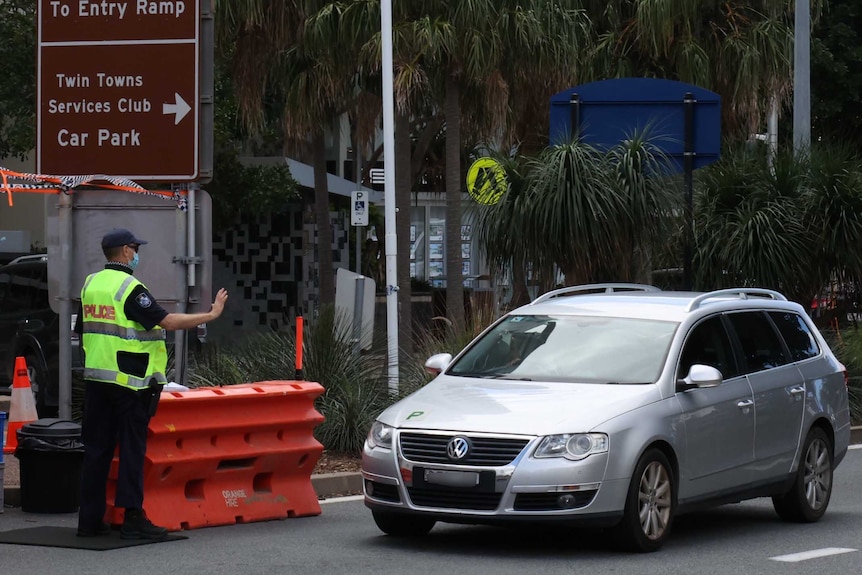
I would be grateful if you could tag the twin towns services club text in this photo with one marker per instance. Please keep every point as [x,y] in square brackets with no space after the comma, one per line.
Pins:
[124,105]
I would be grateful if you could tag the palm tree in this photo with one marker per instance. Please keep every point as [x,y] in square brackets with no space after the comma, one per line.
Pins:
[279,50]
[491,50]
[739,49]
[415,121]
[461,44]
[793,229]
[597,215]
[502,236]
[543,49]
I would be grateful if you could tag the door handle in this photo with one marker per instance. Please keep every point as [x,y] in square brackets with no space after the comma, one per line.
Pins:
[796,390]
[745,404]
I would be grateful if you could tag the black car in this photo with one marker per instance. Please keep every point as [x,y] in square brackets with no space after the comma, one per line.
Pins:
[29,328]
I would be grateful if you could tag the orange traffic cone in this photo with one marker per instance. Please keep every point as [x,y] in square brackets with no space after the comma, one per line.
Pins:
[22,409]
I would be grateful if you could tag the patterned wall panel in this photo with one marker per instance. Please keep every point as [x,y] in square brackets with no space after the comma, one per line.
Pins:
[264,261]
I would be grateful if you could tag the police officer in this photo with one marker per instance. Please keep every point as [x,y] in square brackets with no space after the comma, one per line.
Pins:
[123,336]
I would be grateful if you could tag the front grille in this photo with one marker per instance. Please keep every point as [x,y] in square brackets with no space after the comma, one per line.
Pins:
[486,451]
[550,501]
[454,499]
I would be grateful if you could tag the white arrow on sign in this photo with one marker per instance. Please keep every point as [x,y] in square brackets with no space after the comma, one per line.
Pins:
[180,108]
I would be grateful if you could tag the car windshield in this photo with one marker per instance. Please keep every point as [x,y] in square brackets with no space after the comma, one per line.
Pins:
[583,349]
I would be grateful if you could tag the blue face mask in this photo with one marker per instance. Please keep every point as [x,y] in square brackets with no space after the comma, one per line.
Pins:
[134,263]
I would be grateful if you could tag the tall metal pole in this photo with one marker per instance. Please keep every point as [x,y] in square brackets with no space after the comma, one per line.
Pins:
[772,133]
[802,78]
[358,299]
[391,244]
[64,223]
[688,169]
[575,119]
[357,177]
[181,337]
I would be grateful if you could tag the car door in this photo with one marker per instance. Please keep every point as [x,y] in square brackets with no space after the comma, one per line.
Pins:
[719,421]
[779,393]
[8,326]
[17,308]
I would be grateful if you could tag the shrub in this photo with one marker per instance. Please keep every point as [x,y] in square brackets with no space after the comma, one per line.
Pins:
[847,346]
[354,385]
[441,337]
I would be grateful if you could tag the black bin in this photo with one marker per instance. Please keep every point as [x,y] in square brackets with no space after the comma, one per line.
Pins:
[50,453]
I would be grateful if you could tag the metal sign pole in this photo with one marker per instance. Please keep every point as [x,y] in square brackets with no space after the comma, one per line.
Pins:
[391,239]
[357,177]
[358,250]
[64,218]
[181,337]
[802,78]
[358,297]
[575,104]
[688,169]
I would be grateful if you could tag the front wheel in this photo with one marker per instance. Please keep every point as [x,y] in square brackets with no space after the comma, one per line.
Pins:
[808,499]
[402,524]
[650,504]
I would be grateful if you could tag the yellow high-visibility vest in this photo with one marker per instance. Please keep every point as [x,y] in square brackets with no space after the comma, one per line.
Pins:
[107,332]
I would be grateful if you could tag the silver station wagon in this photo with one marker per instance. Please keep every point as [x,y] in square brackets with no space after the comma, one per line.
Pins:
[618,406]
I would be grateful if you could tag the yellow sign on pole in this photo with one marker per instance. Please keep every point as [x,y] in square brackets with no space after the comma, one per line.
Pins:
[486,181]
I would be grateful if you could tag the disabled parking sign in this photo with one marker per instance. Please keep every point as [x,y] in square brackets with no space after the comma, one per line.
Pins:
[359,208]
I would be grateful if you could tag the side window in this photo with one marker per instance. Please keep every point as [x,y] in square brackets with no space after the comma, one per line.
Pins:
[708,344]
[761,347]
[42,300]
[4,289]
[796,334]
[22,290]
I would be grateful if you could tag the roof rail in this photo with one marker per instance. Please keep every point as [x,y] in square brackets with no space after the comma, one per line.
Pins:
[606,288]
[29,258]
[741,293]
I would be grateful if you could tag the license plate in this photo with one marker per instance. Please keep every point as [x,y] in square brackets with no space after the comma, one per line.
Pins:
[452,478]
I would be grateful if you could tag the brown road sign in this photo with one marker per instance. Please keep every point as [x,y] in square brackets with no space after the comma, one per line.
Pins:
[98,21]
[118,88]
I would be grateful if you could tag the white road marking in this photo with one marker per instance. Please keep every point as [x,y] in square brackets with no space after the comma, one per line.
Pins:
[342,499]
[856,446]
[815,554]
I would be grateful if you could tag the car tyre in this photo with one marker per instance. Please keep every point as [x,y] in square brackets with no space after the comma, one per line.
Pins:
[402,524]
[650,504]
[809,497]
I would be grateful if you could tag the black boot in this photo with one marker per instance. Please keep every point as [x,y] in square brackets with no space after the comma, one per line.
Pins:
[137,526]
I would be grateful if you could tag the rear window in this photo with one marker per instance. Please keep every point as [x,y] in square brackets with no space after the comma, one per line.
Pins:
[761,345]
[796,334]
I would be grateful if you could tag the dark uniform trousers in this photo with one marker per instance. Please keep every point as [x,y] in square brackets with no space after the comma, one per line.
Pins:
[112,414]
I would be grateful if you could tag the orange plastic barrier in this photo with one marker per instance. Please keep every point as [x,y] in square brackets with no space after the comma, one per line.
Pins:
[225,455]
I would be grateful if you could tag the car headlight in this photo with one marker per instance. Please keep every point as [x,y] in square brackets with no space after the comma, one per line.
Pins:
[380,435]
[573,446]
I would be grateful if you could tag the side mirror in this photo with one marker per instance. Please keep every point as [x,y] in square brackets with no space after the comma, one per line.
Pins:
[701,376]
[437,363]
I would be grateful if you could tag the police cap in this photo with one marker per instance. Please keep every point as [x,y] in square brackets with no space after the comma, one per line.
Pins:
[120,237]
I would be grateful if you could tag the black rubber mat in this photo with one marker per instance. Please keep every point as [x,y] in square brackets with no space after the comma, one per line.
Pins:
[47,536]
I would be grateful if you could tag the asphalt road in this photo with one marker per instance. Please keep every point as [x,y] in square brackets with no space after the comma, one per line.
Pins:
[740,539]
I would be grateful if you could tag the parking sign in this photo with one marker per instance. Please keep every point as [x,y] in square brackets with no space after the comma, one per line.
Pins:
[359,208]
